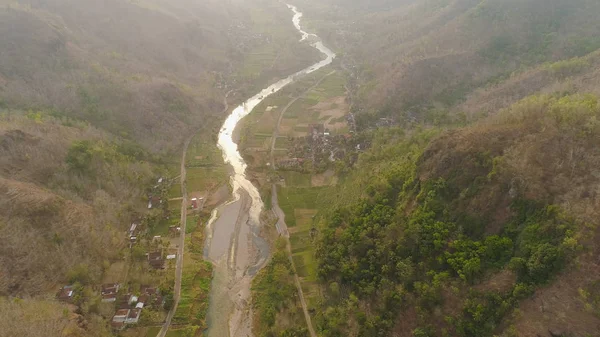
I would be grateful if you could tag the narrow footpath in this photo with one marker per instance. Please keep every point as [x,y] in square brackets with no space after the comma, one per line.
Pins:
[281,225]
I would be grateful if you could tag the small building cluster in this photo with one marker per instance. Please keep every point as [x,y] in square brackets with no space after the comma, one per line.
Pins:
[129,307]
[155,199]
[319,148]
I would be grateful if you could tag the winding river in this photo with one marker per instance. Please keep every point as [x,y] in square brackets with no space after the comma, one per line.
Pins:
[233,242]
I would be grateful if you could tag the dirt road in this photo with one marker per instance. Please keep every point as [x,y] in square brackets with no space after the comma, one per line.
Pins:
[180,249]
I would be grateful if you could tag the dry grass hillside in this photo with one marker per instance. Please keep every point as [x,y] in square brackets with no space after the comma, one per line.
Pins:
[96,99]
[42,319]
[148,70]
[576,75]
[54,209]
[411,55]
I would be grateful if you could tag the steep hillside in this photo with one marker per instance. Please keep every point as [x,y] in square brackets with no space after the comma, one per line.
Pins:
[414,55]
[481,231]
[576,75]
[66,191]
[144,70]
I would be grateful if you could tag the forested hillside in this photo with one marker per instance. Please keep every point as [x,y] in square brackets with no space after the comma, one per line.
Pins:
[474,210]
[467,232]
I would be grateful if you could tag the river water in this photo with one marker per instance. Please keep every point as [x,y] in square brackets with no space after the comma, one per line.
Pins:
[233,243]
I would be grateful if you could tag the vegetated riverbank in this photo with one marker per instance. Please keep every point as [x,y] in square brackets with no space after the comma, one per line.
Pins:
[238,251]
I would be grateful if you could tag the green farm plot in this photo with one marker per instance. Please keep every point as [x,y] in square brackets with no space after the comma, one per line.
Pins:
[162,227]
[304,217]
[192,223]
[291,198]
[195,286]
[306,265]
[257,142]
[282,143]
[203,152]
[175,190]
[153,331]
[263,135]
[300,108]
[183,332]
[287,126]
[205,179]
[300,241]
[266,124]
[295,179]
[338,120]
[175,204]
[332,86]
[301,128]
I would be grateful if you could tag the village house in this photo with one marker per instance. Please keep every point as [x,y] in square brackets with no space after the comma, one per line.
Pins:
[109,292]
[125,316]
[156,261]
[154,201]
[171,256]
[65,294]
[107,298]
[132,229]
[134,316]
[120,316]
[151,295]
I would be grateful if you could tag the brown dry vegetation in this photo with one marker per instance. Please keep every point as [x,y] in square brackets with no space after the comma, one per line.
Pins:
[45,319]
[411,55]
[52,213]
[144,70]
[96,98]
